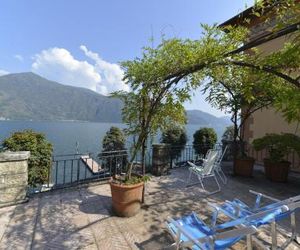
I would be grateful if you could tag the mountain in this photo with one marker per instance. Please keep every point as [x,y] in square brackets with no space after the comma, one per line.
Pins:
[202,118]
[27,96]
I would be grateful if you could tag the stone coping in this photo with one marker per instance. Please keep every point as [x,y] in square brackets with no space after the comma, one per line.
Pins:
[14,156]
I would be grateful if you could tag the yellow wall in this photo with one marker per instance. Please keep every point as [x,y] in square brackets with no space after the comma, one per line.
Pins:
[273,45]
[268,120]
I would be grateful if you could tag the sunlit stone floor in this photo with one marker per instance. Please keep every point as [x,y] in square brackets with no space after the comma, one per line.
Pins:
[81,218]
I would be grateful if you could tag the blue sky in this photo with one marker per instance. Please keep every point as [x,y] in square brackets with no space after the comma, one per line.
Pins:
[80,42]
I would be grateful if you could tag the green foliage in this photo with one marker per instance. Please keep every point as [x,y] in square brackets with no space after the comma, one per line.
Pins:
[137,179]
[239,92]
[113,140]
[176,137]
[228,134]
[112,143]
[149,107]
[163,78]
[280,9]
[134,179]
[204,139]
[278,145]
[288,102]
[40,149]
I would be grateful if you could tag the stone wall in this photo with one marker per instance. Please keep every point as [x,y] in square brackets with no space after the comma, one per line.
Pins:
[13,177]
[160,159]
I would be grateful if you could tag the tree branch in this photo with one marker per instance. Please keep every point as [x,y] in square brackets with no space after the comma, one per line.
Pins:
[266,69]
[254,43]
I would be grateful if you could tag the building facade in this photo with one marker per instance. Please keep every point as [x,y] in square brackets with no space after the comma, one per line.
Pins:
[267,120]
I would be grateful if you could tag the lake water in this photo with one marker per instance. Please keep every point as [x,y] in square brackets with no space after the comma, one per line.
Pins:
[65,135]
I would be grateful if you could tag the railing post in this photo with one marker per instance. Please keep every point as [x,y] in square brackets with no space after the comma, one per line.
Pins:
[78,169]
[160,159]
[49,171]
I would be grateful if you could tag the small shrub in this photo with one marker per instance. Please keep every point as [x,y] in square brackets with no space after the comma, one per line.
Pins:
[40,149]
[114,140]
[278,145]
[204,139]
[177,139]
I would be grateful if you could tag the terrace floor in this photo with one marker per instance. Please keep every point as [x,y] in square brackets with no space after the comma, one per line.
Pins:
[81,218]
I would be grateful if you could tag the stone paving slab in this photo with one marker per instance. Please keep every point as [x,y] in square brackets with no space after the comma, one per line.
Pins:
[81,218]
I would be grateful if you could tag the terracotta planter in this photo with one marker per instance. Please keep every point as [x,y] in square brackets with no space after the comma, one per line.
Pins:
[268,168]
[244,167]
[126,199]
[277,171]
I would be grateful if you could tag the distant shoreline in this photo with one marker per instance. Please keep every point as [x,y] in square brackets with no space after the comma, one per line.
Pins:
[81,121]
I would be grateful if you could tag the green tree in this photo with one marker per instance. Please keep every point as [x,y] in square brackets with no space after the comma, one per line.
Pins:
[163,77]
[228,134]
[147,111]
[239,93]
[176,137]
[113,140]
[114,153]
[39,163]
[204,139]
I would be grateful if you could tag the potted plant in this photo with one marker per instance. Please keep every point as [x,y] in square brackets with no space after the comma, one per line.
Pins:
[244,164]
[278,147]
[147,109]
[126,192]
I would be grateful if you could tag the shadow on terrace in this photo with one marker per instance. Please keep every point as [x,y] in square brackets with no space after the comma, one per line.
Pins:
[81,218]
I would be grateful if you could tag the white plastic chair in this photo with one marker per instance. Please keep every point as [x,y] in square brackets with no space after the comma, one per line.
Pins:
[218,167]
[207,170]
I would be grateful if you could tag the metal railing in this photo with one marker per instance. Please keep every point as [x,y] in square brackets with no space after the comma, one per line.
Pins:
[179,155]
[74,169]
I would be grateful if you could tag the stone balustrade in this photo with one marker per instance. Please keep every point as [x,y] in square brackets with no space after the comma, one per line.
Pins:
[13,177]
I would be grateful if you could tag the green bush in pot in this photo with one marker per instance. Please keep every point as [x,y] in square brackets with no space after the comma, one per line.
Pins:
[278,147]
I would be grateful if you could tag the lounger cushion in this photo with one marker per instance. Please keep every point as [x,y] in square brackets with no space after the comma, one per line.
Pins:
[198,229]
[241,204]
[279,215]
[231,210]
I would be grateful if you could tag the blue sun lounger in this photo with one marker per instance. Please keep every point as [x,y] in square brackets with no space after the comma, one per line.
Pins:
[238,209]
[190,231]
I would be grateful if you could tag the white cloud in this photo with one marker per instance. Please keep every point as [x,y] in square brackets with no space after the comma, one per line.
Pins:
[3,72]
[111,73]
[58,64]
[19,57]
